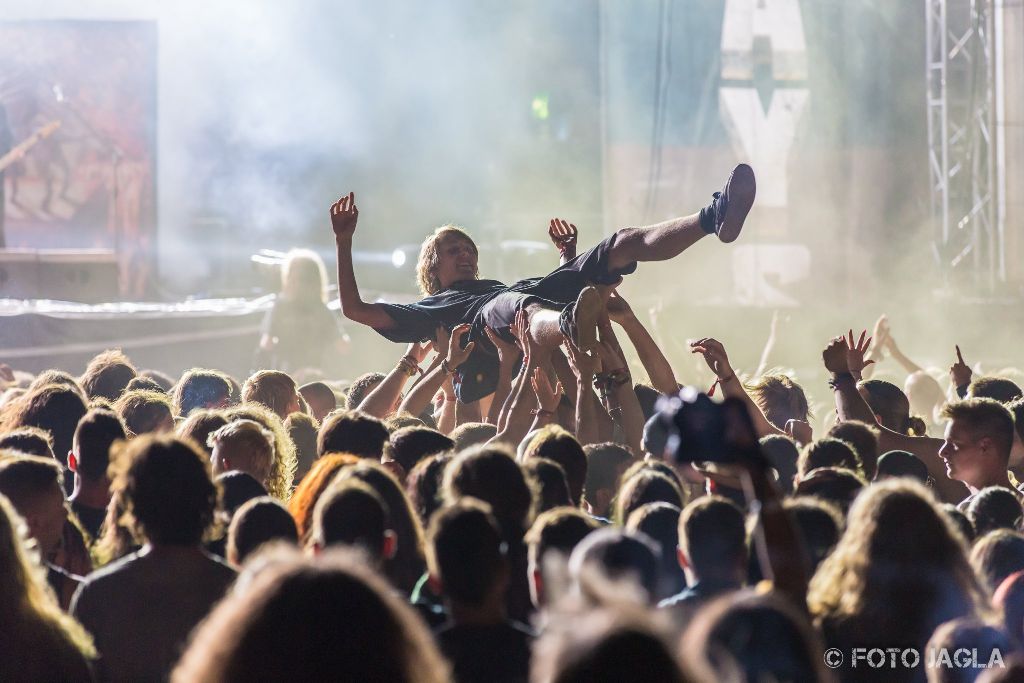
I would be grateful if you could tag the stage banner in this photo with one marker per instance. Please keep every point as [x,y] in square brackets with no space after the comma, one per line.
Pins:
[78,106]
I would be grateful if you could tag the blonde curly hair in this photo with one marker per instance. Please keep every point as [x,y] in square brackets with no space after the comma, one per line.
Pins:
[426,265]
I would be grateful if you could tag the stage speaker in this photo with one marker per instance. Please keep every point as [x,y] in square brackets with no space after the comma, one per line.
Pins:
[82,275]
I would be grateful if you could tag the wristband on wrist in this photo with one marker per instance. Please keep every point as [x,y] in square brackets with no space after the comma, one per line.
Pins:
[540,412]
[447,369]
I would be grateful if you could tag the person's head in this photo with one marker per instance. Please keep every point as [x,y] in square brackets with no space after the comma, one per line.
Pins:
[303,432]
[351,513]
[272,628]
[272,389]
[34,486]
[1008,598]
[972,637]
[471,434]
[30,441]
[361,388]
[835,485]
[996,388]
[863,439]
[260,520]
[754,637]
[780,399]
[995,507]
[97,431]
[236,489]
[554,443]
[198,426]
[107,375]
[161,378]
[446,257]
[898,565]
[282,472]
[54,376]
[423,485]
[961,522]
[713,540]
[320,399]
[998,554]
[646,486]
[550,541]
[827,452]
[896,464]
[660,522]
[605,464]
[491,474]
[312,486]
[243,445]
[891,407]
[352,431]
[648,397]
[466,556]
[140,383]
[978,439]
[409,445]
[166,488]
[924,394]
[819,524]
[198,389]
[55,408]
[618,556]
[145,412]
[783,453]
[304,276]
[549,483]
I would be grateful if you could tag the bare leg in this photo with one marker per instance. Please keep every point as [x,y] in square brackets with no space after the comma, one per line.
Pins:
[544,322]
[655,242]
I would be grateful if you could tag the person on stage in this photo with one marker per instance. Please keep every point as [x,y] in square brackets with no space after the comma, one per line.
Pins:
[564,302]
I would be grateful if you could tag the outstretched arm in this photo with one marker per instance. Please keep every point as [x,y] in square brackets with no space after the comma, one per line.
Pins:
[419,398]
[563,235]
[659,370]
[344,216]
[384,396]
[960,374]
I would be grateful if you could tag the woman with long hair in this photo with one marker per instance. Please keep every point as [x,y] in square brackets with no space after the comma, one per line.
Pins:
[40,642]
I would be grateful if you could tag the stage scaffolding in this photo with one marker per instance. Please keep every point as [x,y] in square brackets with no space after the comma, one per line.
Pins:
[966,178]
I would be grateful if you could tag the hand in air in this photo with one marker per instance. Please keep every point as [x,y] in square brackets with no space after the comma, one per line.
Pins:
[507,351]
[855,353]
[344,216]
[960,372]
[547,397]
[834,356]
[457,354]
[563,235]
[714,355]
[419,350]
[583,364]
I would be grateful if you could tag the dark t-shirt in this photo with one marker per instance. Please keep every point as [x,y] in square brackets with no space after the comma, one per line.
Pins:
[487,654]
[90,517]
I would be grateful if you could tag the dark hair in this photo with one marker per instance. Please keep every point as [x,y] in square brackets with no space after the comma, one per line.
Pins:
[892,407]
[237,489]
[713,535]
[198,426]
[260,520]
[997,388]
[143,411]
[303,432]
[351,513]
[604,462]
[471,434]
[984,417]
[901,464]
[660,521]
[270,388]
[550,483]
[161,378]
[23,477]
[30,441]
[491,474]
[140,383]
[466,551]
[55,408]
[646,486]
[97,431]
[54,376]
[961,521]
[783,453]
[1017,409]
[200,388]
[993,508]
[998,554]
[107,375]
[423,485]
[167,489]
[648,397]
[619,554]
[827,452]
[409,445]
[863,438]
[819,523]
[352,431]
[558,529]
[555,443]
[362,386]
[832,484]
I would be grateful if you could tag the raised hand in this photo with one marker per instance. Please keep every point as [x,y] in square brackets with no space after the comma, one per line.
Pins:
[855,353]
[960,372]
[521,331]
[583,364]
[507,351]
[457,354]
[547,397]
[881,335]
[417,351]
[834,356]
[344,216]
[715,356]
[563,235]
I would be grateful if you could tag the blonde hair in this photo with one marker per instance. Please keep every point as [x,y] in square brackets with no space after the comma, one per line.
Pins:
[279,485]
[426,265]
[304,276]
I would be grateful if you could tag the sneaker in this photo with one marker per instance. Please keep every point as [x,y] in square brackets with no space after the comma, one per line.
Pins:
[733,203]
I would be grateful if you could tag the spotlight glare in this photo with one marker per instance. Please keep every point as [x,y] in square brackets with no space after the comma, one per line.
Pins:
[398,258]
